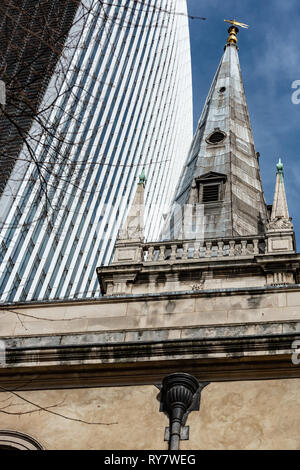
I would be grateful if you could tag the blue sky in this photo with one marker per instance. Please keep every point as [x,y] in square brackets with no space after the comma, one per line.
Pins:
[270,62]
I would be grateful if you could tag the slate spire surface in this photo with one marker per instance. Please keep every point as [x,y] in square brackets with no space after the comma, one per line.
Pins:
[221,180]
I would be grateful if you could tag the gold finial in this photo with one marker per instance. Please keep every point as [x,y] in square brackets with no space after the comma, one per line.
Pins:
[233,30]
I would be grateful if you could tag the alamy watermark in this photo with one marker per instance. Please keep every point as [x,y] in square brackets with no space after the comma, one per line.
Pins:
[2,353]
[296,95]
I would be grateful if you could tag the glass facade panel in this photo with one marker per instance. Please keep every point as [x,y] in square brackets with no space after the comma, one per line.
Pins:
[130,108]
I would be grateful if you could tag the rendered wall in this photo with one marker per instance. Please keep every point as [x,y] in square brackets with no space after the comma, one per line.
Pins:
[233,415]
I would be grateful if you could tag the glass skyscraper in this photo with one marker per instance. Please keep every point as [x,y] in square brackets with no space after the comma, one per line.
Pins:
[121,102]
[32,37]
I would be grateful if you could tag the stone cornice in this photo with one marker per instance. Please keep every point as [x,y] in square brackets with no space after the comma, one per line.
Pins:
[232,352]
[157,295]
[257,265]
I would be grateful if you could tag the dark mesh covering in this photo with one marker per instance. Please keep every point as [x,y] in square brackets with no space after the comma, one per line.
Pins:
[32,35]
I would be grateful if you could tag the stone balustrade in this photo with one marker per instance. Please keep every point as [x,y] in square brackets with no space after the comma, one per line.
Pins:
[206,249]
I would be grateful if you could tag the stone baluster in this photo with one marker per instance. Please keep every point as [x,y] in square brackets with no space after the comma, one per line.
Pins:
[232,248]
[173,252]
[208,249]
[185,251]
[220,249]
[162,249]
[255,247]
[150,253]
[244,247]
[196,250]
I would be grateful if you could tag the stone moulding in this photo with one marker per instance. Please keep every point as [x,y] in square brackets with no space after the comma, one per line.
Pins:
[120,279]
[267,355]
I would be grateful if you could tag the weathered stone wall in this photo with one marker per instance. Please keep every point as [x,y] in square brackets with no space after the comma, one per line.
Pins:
[193,280]
[152,312]
[233,415]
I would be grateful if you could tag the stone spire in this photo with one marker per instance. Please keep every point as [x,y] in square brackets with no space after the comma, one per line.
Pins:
[131,235]
[220,188]
[133,227]
[280,208]
[280,230]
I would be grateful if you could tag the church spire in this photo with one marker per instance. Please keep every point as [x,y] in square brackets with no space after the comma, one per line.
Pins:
[280,207]
[221,178]
[280,220]
[133,227]
[280,230]
[131,235]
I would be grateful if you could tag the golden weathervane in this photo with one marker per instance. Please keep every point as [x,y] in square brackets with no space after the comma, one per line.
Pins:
[233,30]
